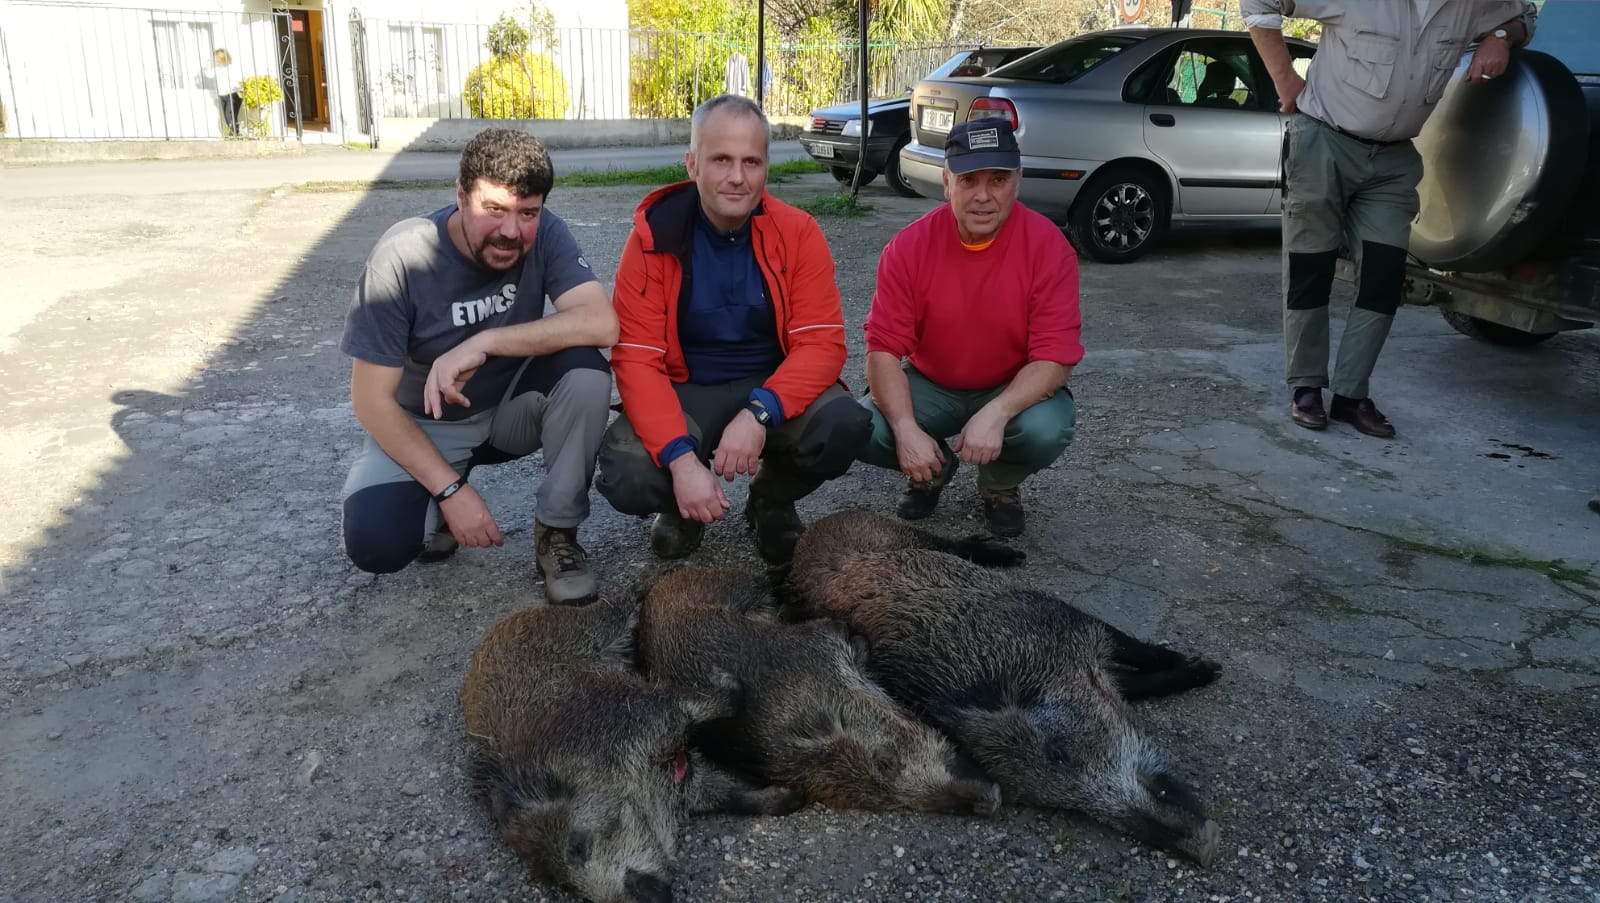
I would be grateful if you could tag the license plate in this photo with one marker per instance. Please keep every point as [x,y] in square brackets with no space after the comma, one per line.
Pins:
[938,120]
[822,150]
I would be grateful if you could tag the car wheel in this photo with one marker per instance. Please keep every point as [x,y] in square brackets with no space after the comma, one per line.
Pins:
[892,174]
[843,175]
[1493,333]
[1118,216]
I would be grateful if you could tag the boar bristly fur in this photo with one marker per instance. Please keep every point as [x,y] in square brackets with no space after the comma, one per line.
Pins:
[1026,683]
[584,765]
[809,717]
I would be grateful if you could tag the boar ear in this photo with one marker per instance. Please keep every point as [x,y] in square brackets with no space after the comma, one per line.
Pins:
[861,649]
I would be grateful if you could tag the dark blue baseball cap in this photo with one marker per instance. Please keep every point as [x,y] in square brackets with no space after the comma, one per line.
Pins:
[982,144]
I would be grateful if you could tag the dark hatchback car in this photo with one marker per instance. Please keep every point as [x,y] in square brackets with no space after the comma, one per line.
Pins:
[833,135]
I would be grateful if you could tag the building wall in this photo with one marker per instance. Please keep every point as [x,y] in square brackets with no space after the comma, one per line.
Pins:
[100,70]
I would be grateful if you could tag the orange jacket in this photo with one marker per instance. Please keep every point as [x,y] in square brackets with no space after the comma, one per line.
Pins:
[796,266]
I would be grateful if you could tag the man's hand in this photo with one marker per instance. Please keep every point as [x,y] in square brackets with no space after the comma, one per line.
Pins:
[1289,88]
[740,448]
[696,491]
[1490,61]
[448,375]
[920,457]
[980,439]
[469,519]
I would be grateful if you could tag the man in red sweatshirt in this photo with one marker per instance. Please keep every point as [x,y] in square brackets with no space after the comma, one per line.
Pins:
[732,342]
[973,333]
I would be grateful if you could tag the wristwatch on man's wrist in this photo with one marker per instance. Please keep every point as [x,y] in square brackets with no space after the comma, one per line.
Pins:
[762,415]
[450,490]
[1500,33]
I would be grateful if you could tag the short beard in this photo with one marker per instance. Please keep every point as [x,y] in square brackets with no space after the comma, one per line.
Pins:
[477,250]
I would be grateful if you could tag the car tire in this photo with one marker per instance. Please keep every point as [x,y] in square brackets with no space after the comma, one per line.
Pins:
[1120,214]
[894,176]
[1493,333]
[843,175]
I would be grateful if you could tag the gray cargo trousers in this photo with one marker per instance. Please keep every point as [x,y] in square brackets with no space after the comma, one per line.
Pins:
[557,402]
[1341,192]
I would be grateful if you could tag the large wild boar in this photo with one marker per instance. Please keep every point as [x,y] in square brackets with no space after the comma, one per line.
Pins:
[1034,689]
[583,764]
[809,717]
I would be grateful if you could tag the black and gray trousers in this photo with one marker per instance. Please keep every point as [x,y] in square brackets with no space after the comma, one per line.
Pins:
[1343,193]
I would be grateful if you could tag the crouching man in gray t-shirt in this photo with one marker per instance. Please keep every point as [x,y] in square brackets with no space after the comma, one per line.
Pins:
[456,365]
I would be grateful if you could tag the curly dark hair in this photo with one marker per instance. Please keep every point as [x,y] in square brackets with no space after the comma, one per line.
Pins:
[507,157]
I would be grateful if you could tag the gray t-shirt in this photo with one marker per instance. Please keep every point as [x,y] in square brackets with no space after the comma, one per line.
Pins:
[419,297]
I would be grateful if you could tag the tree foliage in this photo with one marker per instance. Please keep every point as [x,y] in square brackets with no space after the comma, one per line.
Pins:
[517,82]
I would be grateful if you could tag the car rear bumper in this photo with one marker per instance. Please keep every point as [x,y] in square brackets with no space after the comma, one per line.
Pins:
[833,150]
[1046,185]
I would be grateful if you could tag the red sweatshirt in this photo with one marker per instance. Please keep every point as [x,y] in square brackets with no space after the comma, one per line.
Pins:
[971,319]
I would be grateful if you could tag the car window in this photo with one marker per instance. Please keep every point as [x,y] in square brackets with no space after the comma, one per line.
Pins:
[1300,58]
[1211,74]
[981,62]
[1068,60]
[950,65]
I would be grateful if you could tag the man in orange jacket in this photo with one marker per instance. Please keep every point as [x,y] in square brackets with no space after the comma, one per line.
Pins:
[732,342]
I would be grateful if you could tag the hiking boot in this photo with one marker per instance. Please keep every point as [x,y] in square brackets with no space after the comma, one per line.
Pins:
[564,564]
[671,536]
[1003,508]
[440,546]
[777,525]
[919,499]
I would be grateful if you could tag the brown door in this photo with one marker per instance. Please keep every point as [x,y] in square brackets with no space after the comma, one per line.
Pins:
[305,30]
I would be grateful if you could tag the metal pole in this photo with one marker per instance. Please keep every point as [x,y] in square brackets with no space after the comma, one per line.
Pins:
[761,53]
[862,83]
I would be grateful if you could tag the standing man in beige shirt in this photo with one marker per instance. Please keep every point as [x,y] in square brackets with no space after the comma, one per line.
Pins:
[1351,172]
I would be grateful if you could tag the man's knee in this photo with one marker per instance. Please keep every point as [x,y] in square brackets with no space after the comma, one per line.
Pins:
[1041,433]
[629,480]
[839,431]
[546,371]
[1311,279]
[383,526]
[1382,278]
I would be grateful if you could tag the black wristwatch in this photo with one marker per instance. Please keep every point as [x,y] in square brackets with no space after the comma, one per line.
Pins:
[762,415]
[450,490]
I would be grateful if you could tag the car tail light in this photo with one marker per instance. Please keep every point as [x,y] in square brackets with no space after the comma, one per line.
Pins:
[993,108]
[818,124]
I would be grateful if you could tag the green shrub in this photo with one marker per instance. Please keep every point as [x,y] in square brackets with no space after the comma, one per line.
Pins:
[260,91]
[524,86]
[256,94]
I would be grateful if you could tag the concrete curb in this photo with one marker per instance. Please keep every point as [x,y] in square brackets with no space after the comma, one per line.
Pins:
[25,151]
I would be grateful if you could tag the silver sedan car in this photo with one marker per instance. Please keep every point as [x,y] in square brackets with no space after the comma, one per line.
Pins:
[1124,132]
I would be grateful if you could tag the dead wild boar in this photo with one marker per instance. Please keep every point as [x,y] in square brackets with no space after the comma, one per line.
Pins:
[582,763]
[1034,689]
[809,717]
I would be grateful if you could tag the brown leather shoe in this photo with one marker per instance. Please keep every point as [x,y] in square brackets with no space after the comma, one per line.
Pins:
[1306,409]
[1362,414]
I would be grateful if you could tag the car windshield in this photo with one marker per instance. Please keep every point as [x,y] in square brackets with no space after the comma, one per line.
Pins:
[1066,61]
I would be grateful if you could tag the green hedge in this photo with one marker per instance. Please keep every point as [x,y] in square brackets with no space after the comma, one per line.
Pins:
[523,86]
